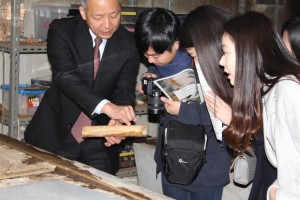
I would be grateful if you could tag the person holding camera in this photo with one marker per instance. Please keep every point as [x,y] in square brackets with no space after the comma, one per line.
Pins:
[201,35]
[157,38]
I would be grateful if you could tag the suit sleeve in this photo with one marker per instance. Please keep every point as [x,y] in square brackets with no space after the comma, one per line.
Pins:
[71,59]
[65,70]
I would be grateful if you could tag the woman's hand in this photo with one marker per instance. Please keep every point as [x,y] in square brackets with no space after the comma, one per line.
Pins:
[272,193]
[171,106]
[218,107]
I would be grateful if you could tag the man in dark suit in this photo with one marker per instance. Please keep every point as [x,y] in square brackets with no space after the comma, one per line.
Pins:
[106,98]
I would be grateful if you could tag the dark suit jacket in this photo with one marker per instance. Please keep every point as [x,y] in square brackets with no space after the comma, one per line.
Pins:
[73,89]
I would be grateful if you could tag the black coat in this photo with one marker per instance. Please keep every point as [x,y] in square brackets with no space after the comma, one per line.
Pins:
[73,89]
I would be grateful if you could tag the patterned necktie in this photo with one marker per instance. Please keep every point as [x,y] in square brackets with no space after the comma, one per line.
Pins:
[83,119]
[98,41]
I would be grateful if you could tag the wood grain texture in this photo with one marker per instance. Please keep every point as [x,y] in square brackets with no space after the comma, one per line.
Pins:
[71,172]
[17,164]
[119,131]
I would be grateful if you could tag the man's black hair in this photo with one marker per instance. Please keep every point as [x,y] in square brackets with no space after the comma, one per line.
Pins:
[157,28]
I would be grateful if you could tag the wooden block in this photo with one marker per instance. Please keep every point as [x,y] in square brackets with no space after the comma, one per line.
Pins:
[120,131]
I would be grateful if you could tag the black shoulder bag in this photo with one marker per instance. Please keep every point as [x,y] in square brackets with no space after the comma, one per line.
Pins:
[183,152]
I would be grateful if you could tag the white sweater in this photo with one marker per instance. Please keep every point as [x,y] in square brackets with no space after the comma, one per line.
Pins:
[281,114]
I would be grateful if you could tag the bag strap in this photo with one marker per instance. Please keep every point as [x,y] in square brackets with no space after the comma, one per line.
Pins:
[242,155]
[235,160]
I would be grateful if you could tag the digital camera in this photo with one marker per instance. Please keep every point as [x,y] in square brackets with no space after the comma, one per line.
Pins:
[155,105]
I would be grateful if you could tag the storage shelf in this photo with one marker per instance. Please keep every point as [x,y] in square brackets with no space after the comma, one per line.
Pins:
[23,119]
[141,109]
[126,172]
[26,48]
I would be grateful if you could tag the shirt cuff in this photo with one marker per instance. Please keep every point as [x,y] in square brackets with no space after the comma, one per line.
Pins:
[100,106]
[224,126]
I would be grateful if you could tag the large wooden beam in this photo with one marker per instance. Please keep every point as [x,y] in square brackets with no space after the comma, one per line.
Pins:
[93,178]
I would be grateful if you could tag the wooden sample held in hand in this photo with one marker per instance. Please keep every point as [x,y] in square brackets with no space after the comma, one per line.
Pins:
[119,131]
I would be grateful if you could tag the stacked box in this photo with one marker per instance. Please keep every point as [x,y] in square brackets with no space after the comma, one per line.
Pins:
[28,100]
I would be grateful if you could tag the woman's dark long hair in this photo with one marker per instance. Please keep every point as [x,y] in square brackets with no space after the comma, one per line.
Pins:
[261,60]
[292,26]
[203,29]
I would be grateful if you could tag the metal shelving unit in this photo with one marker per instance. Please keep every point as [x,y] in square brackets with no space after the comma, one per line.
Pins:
[25,49]
[5,117]
[14,69]
[11,118]
[14,49]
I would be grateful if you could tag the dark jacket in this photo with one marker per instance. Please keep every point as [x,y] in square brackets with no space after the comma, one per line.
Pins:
[73,89]
[215,172]
[265,173]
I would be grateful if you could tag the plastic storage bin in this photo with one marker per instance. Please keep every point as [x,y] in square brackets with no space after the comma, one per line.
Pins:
[43,16]
[28,100]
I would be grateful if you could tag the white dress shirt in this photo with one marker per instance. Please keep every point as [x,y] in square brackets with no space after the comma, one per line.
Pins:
[101,48]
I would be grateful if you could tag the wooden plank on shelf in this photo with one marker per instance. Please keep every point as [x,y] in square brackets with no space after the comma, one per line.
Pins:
[4,113]
[25,43]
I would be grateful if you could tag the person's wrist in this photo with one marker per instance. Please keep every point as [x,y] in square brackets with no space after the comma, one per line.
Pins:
[106,108]
[272,193]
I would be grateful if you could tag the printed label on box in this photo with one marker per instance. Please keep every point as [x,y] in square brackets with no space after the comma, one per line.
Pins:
[33,102]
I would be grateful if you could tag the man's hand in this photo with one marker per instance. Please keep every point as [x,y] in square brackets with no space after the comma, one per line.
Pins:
[113,140]
[123,114]
[114,122]
[218,107]
[148,75]
[171,106]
